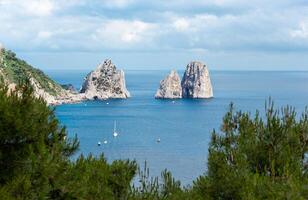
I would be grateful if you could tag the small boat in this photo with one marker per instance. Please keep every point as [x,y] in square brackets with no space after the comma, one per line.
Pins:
[158,140]
[107,103]
[105,142]
[99,143]
[115,134]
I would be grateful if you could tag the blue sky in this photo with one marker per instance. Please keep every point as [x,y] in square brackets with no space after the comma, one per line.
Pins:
[160,34]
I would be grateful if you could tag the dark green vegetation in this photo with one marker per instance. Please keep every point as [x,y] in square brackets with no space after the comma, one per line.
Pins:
[258,158]
[252,158]
[15,70]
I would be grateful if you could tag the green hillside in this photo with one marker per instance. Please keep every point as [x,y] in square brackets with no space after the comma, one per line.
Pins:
[15,70]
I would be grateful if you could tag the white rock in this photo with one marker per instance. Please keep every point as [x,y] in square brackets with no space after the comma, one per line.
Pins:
[63,96]
[196,82]
[170,87]
[105,82]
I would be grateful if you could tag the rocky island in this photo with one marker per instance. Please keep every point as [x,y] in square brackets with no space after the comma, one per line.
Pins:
[196,83]
[170,87]
[105,82]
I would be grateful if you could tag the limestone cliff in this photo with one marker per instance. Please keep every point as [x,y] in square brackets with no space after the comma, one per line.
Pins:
[14,70]
[196,82]
[105,82]
[170,87]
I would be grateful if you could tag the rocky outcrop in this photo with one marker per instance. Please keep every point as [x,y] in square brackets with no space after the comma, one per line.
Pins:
[14,70]
[62,96]
[70,88]
[105,82]
[196,82]
[170,87]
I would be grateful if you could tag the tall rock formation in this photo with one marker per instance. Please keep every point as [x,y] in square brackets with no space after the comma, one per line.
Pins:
[170,87]
[196,82]
[105,82]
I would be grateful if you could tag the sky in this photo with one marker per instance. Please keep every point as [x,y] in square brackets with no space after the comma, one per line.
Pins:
[158,34]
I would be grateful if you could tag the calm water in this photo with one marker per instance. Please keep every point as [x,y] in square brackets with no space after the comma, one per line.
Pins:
[184,126]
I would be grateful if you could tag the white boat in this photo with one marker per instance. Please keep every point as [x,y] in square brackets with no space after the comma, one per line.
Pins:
[115,134]
[99,143]
[158,140]
[105,142]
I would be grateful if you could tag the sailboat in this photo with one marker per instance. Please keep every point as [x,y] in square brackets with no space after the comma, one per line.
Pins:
[115,134]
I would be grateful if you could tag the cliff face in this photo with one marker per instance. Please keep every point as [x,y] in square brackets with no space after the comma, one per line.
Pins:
[105,82]
[170,87]
[196,82]
[14,70]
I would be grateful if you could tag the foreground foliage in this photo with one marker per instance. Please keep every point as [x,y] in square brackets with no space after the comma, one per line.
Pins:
[253,157]
[258,157]
[34,156]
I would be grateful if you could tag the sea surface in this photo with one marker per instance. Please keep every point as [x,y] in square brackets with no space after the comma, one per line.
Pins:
[183,126]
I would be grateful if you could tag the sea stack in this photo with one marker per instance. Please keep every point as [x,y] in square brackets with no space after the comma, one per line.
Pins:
[196,82]
[105,82]
[170,87]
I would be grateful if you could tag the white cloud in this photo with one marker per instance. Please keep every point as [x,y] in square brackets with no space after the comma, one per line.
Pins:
[124,33]
[301,32]
[181,24]
[117,3]
[39,7]
[44,34]
[136,25]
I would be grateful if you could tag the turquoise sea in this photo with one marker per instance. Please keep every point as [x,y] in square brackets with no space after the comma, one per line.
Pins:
[183,126]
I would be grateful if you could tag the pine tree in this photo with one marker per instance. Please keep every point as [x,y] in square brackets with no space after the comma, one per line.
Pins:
[32,142]
[258,157]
